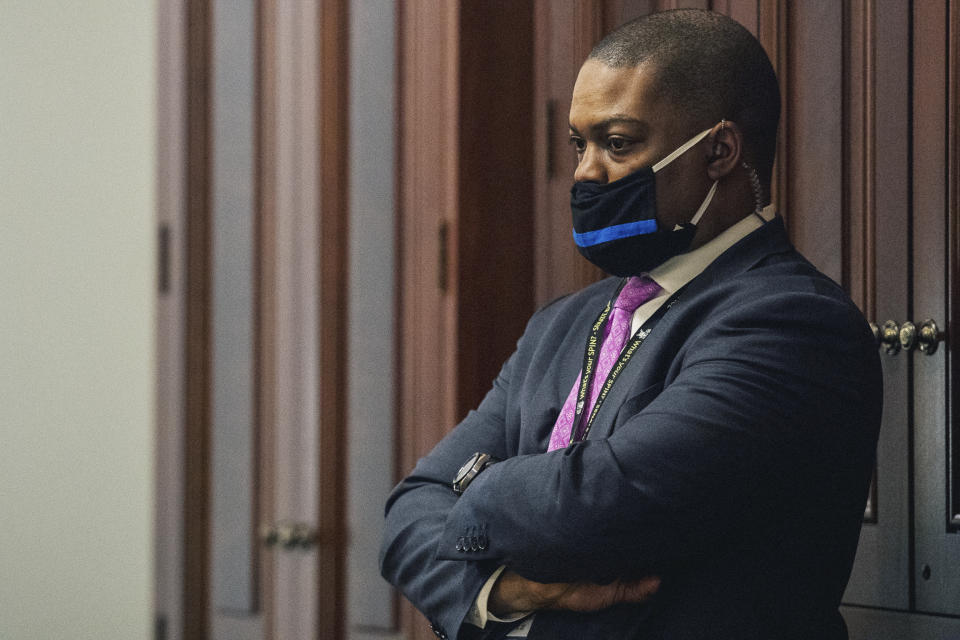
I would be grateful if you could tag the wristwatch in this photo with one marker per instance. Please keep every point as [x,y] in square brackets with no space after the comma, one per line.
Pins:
[470,470]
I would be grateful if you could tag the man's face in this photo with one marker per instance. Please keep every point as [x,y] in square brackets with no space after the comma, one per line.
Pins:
[619,124]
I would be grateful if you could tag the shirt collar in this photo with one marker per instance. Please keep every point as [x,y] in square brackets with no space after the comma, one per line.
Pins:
[679,270]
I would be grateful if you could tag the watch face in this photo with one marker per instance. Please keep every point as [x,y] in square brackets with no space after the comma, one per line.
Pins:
[465,469]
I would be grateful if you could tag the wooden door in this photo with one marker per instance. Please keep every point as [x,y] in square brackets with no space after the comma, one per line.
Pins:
[891,62]
[867,244]
[936,214]
[465,214]
[234,610]
[256,519]
[289,272]
[302,285]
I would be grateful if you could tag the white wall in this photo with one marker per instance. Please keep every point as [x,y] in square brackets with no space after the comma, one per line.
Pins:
[77,226]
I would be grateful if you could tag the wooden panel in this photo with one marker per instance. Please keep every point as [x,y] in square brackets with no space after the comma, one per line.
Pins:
[746,12]
[682,4]
[427,199]
[465,221]
[465,211]
[302,273]
[371,340]
[266,292]
[197,374]
[171,311]
[331,116]
[937,547]
[814,196]
[295,314]
[773,31]
[953,276]
[617,12]
[876,272]
[233,529]
[494,280]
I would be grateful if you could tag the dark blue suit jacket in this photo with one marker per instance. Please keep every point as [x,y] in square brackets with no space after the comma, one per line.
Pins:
[732,458]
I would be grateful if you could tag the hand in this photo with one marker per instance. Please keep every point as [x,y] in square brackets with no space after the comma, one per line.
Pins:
[513,593]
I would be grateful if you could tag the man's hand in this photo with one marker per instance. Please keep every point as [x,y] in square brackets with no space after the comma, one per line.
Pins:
[513,593]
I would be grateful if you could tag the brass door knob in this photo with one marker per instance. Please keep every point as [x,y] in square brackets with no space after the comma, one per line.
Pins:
[268,535]
[926,337]
[286,535]
[930,336]
[303,536]
[908,335]
[890,336]
[289,535]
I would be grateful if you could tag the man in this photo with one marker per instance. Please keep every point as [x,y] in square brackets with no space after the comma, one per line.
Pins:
[680,452]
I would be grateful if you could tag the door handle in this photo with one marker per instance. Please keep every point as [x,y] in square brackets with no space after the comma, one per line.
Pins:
[908,335]
[289,535]
[930,336]
[889,335]
[926,337]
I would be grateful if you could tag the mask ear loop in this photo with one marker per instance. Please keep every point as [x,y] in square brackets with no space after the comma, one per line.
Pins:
[682,149]
[679,152]
[713,190]
[706,203]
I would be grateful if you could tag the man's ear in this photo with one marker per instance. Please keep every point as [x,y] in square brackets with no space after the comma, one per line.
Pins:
[726,149]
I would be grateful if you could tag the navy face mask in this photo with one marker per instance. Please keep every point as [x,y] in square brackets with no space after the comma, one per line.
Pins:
[615,224]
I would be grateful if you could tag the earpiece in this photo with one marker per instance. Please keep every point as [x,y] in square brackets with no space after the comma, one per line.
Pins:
[756,187]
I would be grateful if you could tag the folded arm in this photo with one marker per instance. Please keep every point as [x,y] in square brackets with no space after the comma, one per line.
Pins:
[757,395]
[417,510]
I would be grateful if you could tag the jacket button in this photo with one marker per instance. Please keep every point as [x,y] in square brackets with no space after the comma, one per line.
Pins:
[474,545]
[460,546]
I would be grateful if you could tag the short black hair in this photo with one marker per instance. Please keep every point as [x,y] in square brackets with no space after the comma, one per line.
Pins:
[710,67]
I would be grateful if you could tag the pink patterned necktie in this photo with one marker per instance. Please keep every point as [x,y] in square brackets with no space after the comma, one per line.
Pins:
[637,291]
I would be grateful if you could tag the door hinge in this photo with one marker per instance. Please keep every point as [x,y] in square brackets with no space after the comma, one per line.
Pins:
[160,627]
[163,259]
[443,238]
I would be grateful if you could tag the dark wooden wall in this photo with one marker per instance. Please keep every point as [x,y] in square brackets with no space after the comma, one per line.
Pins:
[465,219]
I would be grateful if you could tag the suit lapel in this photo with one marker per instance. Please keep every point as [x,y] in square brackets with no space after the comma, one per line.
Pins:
[557,365]
[769,239]
[571,359]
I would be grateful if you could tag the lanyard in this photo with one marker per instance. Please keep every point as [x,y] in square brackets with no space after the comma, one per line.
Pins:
[592,351]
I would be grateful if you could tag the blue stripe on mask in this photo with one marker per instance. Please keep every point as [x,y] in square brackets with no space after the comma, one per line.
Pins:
[616,232]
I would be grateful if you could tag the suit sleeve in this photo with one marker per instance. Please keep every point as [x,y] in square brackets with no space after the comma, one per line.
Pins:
[419,506]
[763,396]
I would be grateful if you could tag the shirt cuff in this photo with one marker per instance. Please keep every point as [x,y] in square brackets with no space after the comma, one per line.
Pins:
[479,616]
